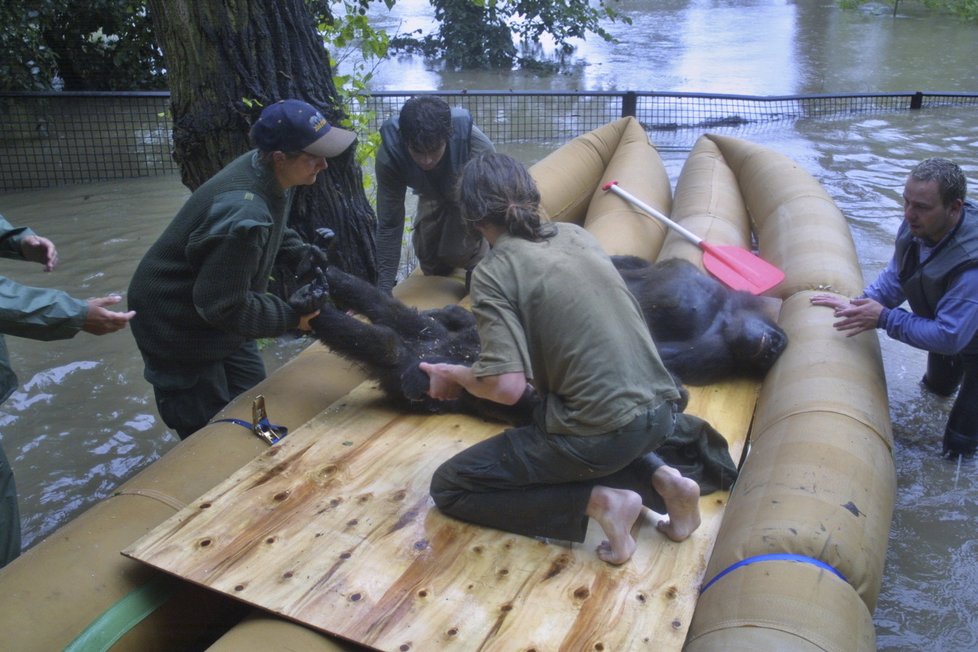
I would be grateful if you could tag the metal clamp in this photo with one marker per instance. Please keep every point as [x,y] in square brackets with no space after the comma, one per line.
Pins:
[260,424]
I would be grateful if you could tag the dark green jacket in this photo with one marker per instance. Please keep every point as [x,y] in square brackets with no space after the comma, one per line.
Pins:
[200,291]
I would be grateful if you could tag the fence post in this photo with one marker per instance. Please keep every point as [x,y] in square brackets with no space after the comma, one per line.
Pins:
[629,103]
[917,101]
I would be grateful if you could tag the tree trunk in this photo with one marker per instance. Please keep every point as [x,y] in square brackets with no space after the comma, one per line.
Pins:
[222,53]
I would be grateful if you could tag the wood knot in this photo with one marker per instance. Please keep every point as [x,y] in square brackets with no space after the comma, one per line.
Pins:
[558,564]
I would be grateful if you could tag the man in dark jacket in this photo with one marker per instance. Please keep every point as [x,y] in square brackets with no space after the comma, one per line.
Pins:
[38,314]
[425,148]
[935,269]
[200,290]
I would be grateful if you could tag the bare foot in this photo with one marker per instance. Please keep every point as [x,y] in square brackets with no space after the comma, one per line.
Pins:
[682,498]
[616,511]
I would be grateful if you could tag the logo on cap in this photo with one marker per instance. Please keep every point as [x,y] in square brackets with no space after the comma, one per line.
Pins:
[318,122]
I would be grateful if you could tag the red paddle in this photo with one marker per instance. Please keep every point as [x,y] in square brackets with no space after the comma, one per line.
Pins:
[734,267]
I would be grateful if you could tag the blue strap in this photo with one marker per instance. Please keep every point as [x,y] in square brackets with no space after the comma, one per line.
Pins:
[269,432]
[240,422]
[781,556]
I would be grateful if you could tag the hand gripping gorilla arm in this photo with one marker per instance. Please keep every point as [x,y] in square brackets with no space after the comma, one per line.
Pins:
[447,381]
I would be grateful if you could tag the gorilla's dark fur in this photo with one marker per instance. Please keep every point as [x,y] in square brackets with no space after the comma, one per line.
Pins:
[396,339]
[704,331]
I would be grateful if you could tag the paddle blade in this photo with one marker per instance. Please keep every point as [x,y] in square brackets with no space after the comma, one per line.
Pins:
[740,269]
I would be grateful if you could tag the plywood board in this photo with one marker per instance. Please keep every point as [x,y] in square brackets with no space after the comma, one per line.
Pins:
[333,527]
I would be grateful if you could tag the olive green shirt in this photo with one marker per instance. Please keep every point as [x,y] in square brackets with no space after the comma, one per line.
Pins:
[559,311]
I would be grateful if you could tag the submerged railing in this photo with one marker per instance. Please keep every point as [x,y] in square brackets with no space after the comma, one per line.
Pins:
[49,139]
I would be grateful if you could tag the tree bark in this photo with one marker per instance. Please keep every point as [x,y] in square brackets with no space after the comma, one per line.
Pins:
[222,53]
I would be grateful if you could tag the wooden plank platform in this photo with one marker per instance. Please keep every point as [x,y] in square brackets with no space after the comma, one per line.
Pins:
[334,528]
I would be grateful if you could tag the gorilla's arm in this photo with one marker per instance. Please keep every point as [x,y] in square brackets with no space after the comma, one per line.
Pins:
[357,340]
[701,361]
[352,292]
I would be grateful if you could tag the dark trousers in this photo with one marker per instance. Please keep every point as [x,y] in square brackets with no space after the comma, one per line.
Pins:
[187,399]
[527,481]
[946,373]
[442,241]
[9,513]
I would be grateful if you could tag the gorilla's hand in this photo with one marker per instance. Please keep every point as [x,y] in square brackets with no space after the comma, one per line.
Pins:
[313,295]
[317,255]
[315,259]
[414,383]
[325,238]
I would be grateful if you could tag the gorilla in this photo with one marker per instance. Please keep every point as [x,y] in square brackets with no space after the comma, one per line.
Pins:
[704,332]
[396,338]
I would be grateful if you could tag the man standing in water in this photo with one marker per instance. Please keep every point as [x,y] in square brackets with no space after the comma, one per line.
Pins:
[424,149]
[200,290]
[608,401]
[935,268]
[38,314]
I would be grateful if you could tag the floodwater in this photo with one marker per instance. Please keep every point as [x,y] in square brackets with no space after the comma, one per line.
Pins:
[83,419]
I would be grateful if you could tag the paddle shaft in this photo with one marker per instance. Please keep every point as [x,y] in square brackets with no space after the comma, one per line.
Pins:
[735,267]
[686,233]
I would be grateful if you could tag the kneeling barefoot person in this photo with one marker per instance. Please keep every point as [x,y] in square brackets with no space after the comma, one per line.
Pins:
[552,309]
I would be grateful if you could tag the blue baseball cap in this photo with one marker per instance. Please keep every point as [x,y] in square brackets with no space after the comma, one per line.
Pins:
[294,126]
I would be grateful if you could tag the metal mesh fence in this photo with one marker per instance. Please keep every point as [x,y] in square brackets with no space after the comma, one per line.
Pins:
[49,139]
[54,139]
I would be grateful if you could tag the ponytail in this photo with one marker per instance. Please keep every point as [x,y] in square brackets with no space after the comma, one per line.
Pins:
[497,189]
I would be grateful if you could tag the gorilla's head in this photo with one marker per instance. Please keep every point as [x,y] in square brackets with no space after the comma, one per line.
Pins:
[755,341]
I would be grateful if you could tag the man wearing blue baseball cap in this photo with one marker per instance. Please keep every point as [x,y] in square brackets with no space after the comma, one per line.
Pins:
[200,291]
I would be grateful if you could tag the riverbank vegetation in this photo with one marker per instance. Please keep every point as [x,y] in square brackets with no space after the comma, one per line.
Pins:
[111,44]
[965,9]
